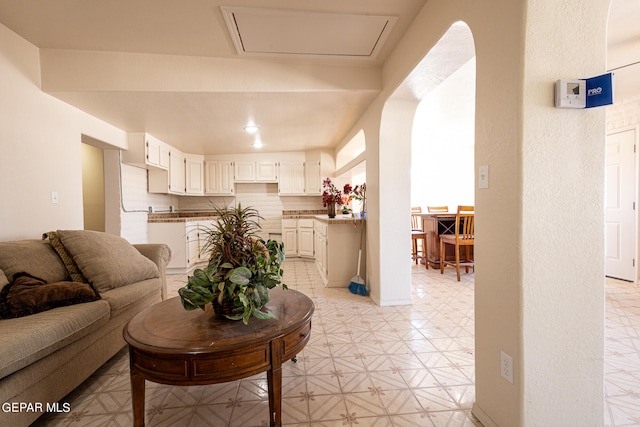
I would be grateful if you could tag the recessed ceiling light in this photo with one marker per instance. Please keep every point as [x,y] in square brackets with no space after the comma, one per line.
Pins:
[257,143]
[251,128]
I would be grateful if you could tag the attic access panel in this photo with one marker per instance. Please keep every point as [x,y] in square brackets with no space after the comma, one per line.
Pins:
[306,34]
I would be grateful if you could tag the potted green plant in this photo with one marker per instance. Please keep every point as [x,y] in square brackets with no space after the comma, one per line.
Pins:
[242,268]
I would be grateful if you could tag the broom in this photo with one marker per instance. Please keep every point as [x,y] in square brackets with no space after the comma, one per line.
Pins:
[357,285]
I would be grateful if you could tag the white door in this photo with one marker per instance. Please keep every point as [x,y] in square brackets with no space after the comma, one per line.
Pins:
[619,208]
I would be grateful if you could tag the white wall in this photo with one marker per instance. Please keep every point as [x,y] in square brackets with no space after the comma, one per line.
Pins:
[442,143]
[40,147]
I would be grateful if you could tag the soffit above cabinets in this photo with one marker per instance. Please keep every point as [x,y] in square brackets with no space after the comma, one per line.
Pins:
[306,34]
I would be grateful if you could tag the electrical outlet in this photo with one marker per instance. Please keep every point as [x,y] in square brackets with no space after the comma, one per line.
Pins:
[506,366]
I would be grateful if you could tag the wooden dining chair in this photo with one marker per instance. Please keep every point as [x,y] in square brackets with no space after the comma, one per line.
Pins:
[418,238]
[416,220]
[463,237]
[437,209]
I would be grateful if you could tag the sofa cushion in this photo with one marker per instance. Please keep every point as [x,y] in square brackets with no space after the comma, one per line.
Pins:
[107,261]
[120,299]
[36,257]
[26,340]
[71,266]
[29,295]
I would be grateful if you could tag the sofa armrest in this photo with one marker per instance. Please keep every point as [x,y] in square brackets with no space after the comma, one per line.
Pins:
[160,254]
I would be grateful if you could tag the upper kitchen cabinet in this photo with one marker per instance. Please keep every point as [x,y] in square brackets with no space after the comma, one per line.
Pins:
[304,177]
[312,178]
[146,151]
[194,174]
[172,181]
[291,180]
[219,177]
[318,164]
[255,171]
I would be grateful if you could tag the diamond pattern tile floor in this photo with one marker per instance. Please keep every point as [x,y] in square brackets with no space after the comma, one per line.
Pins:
[364,366]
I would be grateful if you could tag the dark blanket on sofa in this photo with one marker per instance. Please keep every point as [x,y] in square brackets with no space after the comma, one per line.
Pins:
[29,295]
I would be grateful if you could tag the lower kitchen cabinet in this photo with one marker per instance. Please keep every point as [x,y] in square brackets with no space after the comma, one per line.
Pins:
[186,240]
[297,235]
[337,244]
[290,236]
[305,238]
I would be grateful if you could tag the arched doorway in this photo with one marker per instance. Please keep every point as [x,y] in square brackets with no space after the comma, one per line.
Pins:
[454,49]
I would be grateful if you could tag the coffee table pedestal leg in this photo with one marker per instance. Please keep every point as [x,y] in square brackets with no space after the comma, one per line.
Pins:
[137,398]
[274,380]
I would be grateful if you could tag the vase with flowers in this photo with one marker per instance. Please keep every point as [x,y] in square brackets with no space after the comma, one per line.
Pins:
[332,196]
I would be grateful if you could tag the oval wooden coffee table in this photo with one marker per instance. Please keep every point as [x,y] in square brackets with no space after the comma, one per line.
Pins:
[170,345]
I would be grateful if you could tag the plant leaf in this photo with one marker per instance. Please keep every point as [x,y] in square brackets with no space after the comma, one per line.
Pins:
[191,299]
[258,314]
[240,276]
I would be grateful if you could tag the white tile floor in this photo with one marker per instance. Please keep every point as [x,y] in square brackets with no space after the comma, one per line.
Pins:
[365,366]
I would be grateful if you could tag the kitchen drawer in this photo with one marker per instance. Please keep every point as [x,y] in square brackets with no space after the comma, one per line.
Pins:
[305,223]
[289,223]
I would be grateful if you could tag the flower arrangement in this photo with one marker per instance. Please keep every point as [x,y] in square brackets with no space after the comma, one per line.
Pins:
[331,193]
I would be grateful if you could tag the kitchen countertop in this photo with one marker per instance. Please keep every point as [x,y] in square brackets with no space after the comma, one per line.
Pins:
[181,216]
[319,214]
[339,219]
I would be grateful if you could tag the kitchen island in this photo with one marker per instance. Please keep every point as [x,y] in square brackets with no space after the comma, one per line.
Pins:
[337,243]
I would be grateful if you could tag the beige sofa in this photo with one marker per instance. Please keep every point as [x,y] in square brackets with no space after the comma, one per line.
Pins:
[44,356]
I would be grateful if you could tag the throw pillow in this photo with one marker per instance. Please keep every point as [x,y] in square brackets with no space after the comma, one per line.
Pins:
[29,295]
[107,261]
[75,274]
[35,256]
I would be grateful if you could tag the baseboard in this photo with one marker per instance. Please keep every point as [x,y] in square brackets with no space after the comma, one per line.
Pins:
[482,416]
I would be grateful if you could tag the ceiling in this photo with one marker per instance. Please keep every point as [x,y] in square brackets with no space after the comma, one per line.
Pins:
[194,76]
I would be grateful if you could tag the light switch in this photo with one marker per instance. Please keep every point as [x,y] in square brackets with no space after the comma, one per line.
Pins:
[54,197]
[483,176]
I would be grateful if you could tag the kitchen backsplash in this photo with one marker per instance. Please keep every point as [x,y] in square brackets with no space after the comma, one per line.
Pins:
[263,197]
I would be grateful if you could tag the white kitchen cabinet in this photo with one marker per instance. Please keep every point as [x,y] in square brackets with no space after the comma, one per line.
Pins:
[312,178]
[146,151]
[194,174]
[305,237]
[291,178]
[255,171]
[174,234]
[177,182]
[337,254]
[298,237]
[219,177]
[193,243]
[185,239]
[266,171]
[244,171]
[320,246]
[170,181]
[290,236]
